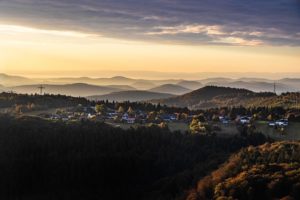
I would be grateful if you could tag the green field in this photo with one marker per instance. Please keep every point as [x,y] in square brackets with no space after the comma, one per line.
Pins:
[173,126]
[292,132]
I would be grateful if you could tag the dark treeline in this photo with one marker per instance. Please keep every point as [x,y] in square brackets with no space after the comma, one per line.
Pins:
[143,106]
[43,101]
[88,160]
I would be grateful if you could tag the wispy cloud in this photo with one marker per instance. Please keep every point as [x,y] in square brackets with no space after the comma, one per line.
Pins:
[195,29]
[12,29]
[238,41]
[216,34]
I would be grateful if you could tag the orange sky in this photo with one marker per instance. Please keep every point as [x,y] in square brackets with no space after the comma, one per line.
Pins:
[26,50]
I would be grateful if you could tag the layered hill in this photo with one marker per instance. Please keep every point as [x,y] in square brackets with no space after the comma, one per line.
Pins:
[135,95]
[76,89]
[256,86]
[171,89]
[143,85]
[253,84]
[192,85]
[8,80]
[270,171]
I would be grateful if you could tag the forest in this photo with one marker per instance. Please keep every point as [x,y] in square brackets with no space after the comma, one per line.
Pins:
[43,102]
[270,171]
[43,159]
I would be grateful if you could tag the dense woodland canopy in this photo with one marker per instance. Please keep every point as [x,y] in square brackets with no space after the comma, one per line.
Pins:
[42,101]
[270,171]
[88,160]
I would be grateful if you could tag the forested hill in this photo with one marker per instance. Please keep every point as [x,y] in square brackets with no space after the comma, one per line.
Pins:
[270,171]
[87,160]
[47,100]
[213,96]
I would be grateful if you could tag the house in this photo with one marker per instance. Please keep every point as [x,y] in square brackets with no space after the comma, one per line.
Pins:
[168,117]
[90,116]
[131,120]
[111,115]
[282,122]
[245,120]
[224,120]
[90,110]
[125,116]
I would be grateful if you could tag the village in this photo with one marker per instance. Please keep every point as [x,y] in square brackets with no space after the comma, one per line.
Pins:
[120,115]
[192,122]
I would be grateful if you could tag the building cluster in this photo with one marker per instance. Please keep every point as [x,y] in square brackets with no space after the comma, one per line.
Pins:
[120,115]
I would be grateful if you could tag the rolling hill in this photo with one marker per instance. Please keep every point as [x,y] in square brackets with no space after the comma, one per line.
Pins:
[164,86]
[143,85]
[192,85]
[255,86]
[213,96]
[270,171]
[170,89]
[8,80]
[117,80]
[137,95]
[293,82]
[217,79]
[76,89]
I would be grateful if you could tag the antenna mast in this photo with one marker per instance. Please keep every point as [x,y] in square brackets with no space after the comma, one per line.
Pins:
[41,87]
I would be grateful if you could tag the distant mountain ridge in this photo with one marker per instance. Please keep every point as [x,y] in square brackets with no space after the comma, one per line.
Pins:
[135,95]
[121,83]
[9,80]
[192,85]
[170,88]
[75,89]
[255,86]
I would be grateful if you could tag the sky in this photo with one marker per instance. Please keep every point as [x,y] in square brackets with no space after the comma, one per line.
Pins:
[110,37]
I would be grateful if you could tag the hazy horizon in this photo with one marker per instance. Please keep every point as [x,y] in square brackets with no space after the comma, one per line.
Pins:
[155,75]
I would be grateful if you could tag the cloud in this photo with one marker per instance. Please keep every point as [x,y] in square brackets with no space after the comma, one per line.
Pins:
[216,34]
[12,29]
[209,30]
[269,22]
[238,41]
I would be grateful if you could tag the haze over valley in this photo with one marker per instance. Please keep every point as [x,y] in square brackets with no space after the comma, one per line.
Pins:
[121,88]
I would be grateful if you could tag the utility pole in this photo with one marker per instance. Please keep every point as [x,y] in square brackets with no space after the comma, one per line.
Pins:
[41,87]
[274,87]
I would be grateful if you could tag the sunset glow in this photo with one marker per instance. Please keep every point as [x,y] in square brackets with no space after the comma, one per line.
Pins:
[26,49]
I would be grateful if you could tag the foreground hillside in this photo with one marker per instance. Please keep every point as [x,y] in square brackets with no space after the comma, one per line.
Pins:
[85,160]
[213,96]
[270,171]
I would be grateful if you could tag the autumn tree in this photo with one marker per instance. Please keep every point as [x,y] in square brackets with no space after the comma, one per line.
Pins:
[100,108]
